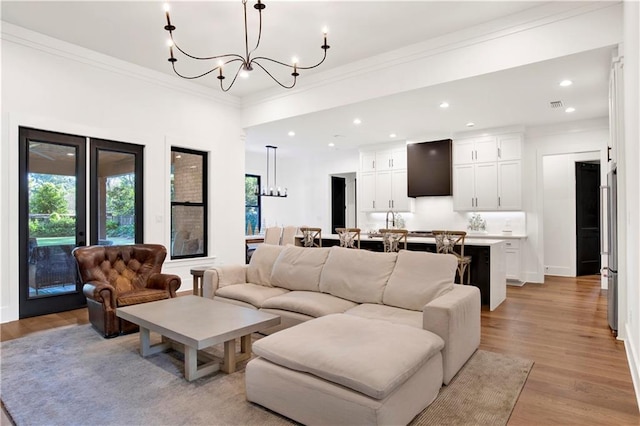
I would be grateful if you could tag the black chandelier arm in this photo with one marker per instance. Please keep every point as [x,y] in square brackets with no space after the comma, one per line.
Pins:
[173,64]
[259,31]
[232,81]
[272,77]
[289,65]
[208,58]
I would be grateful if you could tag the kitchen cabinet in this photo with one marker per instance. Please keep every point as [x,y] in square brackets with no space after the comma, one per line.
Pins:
[367,192]
[475,150]
[382,185]
[512,259]
[475,187]
[487,173]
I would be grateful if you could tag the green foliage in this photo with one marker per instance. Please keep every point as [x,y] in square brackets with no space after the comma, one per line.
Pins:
[56,226]
[121,195]
[116,230]
[48,198]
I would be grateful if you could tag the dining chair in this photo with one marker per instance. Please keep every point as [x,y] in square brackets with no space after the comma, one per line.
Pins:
[311,237]
[349,237]
[391,239]
[446,242]
[272,235]
[289,235]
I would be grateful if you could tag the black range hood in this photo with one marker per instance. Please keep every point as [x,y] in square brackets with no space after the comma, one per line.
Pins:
[429,168]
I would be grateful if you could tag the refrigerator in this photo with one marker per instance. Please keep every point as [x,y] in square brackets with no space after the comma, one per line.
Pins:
[612,250]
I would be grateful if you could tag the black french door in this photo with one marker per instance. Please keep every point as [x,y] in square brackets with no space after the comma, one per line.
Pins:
[53,211]
[52,220]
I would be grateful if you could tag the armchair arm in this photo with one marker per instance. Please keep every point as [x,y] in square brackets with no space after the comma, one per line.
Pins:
[455,317]
[101,292]
[168,282]
[220,276]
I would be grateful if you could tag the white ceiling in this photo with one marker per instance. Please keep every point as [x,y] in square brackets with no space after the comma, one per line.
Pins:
[133,31]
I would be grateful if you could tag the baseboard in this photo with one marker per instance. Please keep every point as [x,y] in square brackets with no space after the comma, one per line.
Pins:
[515,283]
[633,360]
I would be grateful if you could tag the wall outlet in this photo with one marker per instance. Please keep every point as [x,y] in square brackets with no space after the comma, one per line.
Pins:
[546,269]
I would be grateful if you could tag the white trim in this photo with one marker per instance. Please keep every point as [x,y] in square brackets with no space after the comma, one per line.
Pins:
[633,360]
[22,36]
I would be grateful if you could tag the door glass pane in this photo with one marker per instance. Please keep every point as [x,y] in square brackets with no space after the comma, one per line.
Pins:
[52,218]
[116,198]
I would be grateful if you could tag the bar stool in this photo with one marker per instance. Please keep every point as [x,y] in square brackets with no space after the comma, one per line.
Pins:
[349,237]
[311,237]
[391,239]
[446,241]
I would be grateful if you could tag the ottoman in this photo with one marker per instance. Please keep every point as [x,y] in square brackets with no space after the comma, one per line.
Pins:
[343,369]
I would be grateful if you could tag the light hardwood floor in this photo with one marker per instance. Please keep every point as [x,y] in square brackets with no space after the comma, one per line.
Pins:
[580,375]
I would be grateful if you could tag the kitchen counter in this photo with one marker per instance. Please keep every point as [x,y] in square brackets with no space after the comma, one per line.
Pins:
[488,265]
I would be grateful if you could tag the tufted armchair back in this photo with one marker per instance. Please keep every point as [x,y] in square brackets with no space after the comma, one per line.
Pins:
[116,276]
[126,268]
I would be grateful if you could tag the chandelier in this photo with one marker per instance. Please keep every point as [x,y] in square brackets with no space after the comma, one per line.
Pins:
[246,62]
[272,190]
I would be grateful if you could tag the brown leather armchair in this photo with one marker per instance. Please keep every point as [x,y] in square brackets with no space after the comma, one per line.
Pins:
[115,276]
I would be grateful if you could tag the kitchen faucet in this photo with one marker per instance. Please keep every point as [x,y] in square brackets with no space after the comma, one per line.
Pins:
[393,219]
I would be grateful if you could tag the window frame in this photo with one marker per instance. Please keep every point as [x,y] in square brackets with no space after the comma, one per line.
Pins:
[259,205]
[204,204]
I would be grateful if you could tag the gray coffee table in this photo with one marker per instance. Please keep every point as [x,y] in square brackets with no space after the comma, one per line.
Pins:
[198,323]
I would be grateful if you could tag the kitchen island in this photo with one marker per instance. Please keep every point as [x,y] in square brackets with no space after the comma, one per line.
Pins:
[488,269]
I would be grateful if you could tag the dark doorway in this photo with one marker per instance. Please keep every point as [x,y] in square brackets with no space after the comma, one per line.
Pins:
[587,218]
[338,203]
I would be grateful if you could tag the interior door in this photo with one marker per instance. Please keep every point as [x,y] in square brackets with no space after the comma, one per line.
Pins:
[338,203]
[52,220]
[587,218]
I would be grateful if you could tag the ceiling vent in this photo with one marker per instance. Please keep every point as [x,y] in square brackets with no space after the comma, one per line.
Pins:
[556,104]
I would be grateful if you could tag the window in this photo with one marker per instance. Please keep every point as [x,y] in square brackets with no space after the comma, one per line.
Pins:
[252,210]
[188,203]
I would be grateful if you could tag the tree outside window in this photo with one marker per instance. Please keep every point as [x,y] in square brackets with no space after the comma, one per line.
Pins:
[252,211]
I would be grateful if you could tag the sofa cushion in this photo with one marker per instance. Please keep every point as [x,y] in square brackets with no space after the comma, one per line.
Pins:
[418,278]
[299,268]
[261,264]
[361,354]
[388,313]
[250,293]
[358,275]
[310,303]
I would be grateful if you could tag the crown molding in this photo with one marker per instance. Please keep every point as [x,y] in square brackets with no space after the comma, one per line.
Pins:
[537,16]
[37,41]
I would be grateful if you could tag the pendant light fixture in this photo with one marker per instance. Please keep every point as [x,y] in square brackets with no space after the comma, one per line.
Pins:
[272,190]
[246,61]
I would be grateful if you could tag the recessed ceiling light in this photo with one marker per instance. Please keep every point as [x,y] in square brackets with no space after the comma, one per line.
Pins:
[357,121]
[471,124]
[331,144]
[70,154]
[444,105]
[565,83]
[570,109]
[392,135]
[291,133]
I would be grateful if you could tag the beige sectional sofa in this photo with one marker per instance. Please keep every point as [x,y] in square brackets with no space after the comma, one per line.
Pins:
[410,288]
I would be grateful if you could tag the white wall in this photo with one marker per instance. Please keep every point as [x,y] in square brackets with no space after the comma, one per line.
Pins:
[55,86]
[559,211]
[629,296]
[569,138]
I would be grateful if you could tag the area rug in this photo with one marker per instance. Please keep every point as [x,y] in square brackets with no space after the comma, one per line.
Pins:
[72,376]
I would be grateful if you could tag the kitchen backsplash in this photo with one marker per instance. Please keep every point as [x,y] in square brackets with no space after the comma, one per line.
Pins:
[437,213]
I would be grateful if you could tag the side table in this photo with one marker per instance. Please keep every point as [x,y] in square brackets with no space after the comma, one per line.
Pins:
[198,274]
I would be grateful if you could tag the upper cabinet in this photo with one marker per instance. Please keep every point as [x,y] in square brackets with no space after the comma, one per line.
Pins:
[382,183]
[487,173]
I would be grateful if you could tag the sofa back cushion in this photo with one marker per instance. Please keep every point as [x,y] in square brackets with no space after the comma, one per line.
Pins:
[418,278]
[298,268]
[261,264]
[356,275]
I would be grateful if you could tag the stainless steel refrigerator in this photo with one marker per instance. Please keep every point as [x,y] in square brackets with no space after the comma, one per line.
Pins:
[612,250]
